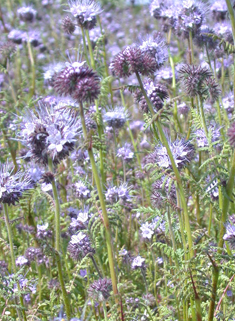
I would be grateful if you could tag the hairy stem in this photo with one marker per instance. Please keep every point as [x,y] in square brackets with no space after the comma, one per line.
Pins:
[57,242]
[9,233]
[103,207]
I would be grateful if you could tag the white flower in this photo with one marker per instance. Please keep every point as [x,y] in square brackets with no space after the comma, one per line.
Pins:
[77,238]
[137,262]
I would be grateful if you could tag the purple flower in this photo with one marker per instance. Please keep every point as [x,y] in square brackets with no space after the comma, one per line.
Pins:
[138,262]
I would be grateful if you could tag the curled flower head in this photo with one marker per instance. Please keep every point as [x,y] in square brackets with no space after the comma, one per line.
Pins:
[131,60]
[191,17]
[115,193]
[12,185]
[230,235]
[163,191]
[21,261]
[78,81]
[68,25]
[125,153]
[231,135]
[100,290]
[155,92]
[27,14]
[116,118]
[85,11]
[219,10]
[80,246]
[51,71]
[198,80]
[156,47]
[202,140]
[81,190]
[182,152]
[201,39]
[49,133]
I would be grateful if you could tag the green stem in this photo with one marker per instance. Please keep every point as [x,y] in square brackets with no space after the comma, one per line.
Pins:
[57,242]
[202,115]
[175,111]
[225,207]
[130,132]
[210,220]
[31,57]
[90,49]
[175,169]
[103,207]
[232,18]
[84,45]
[9,232]
[105,61]
[191,47]
[105,311]
[96,266]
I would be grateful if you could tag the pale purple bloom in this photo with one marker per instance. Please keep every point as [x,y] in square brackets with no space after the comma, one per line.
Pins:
[138,262]
[230,235]
[125,153]
[21,260]
[147,231]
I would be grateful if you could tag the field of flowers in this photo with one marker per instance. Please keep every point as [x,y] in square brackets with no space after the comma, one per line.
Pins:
[117,161]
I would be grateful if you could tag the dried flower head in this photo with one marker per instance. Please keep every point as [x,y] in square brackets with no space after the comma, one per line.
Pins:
[12,185]
[27,14]
[68,26]
[85,11]
[80,246]
[49,133]
[78,81]
[131,60]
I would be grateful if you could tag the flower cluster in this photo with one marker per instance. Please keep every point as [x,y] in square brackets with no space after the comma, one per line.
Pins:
[49,133]
[12,185]
[85,11]
[100,290]
[116,118]
[78,81]
[198,80]
[125,153]
[182,152]
[80,246]
[115,193]
[81,190]
[131,60]
[156,93]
